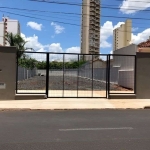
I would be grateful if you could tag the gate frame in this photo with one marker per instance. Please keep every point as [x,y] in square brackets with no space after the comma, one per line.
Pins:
[135,61]
[78,77]
[108,56]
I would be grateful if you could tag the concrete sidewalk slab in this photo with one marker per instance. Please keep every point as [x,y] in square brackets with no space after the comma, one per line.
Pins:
[75,103]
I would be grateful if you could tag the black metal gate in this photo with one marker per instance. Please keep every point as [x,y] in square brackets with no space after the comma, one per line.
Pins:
[74,75]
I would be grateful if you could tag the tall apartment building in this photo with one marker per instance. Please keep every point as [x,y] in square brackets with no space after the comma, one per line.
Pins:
[90,29]
[8,25]
[122,35]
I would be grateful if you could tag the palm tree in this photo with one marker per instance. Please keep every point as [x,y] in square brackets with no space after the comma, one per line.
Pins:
[17,41]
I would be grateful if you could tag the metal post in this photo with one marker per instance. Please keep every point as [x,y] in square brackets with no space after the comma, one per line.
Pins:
[17,73]
[92,75]
[63,74]
[108,75]
[135,74]
[78,78]
[47,73]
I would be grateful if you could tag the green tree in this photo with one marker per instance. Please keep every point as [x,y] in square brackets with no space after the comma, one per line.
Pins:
[17,41]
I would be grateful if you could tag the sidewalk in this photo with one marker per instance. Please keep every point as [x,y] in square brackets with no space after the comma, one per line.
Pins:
[75,103]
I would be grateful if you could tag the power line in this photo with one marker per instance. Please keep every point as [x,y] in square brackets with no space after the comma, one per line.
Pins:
[58,21]
[65,18]
[39,18]
[80,4]
[105,7]
[68,13]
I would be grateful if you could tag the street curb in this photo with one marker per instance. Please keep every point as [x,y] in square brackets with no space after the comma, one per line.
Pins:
[147,107]
[28,109]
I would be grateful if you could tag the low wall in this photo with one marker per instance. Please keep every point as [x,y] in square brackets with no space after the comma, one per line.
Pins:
[98,73]
[24,73]
[126,78]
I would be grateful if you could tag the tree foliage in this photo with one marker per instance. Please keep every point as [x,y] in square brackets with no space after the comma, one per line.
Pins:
[17,41]
[31,63]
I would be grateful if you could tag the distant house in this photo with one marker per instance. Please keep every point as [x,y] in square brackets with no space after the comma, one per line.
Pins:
[144,46]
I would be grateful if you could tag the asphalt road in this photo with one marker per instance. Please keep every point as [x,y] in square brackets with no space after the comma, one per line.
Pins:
[75,130]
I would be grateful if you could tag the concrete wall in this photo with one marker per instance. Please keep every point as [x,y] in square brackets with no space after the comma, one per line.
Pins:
[98,73]
[143,76]
[125,62]
[126,78]
[128,50]
[24,73]
[126,65]
[7,73]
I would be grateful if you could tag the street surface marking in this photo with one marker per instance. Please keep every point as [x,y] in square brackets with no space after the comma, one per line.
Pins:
[96,129]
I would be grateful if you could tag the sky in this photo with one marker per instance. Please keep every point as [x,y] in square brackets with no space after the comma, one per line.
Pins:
[60,32]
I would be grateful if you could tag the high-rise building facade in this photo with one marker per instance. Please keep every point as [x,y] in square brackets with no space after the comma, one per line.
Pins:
[122,35]
[90,29]
[8,25]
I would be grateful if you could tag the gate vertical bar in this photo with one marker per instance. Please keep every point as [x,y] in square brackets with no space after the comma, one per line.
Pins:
[92,75]
[135,74]
[17,73]
[107,78]
[108,75]
[63,74]
[78,77]
[47,73]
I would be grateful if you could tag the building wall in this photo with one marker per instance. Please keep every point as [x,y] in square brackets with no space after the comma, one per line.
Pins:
[85,27]
[143,76]
[125,62]
[90,31]
[1,33]
[144,49]
[122,35]
[11,26]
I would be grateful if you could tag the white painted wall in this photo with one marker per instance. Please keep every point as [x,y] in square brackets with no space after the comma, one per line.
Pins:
[126,65]
[12,26]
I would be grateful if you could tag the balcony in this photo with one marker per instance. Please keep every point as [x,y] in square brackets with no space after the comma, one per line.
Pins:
[97,7]
[92,10]
[92,5]
[92,22]
[92,14]
[97,37]
[96,24]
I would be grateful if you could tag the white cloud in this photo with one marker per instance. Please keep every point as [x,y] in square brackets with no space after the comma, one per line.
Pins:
[58,29]
[130,6]
[118,25]
[35,25]
[141,37]
[106,32]
[53,47]
[32,42]
[73,50]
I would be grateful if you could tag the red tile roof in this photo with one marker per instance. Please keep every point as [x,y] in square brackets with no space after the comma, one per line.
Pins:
[144,44]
